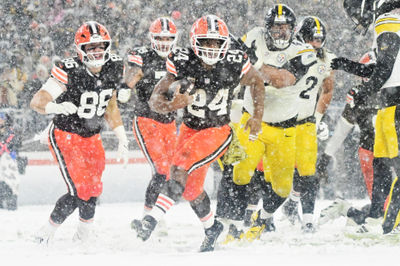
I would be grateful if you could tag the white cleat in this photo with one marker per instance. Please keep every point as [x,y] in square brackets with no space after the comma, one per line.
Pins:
[45,234]
[84,231]
[337,209]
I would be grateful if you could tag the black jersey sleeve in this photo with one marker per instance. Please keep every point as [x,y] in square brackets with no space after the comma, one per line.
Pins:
[297,68]
[355,68]
[61,69]
[388,48]
[178,63]
[137,56]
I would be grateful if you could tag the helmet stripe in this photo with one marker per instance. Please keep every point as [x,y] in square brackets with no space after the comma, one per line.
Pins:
[318,25]
[279,10]
[93,28]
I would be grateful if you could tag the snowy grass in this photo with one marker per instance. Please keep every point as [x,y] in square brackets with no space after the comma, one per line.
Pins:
[115,243]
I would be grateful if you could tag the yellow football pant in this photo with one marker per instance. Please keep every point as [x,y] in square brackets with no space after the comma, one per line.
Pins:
[306,148]
[276,146]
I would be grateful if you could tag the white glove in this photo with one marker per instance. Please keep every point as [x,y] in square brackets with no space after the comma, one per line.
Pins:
[322,131]
[65,108]
[122,153]
[124,95]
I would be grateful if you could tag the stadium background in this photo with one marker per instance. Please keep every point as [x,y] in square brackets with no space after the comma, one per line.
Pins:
[35,33]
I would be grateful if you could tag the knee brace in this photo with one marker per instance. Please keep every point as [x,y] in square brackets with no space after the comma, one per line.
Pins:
[173,189]
[87,208]
[201,207]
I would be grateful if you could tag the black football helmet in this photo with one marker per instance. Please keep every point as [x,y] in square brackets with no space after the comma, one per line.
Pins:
[361,12]
[311,28]
[279,15]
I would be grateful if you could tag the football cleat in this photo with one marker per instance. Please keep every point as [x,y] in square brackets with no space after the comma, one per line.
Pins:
[45,234]
[308,228]
[233,235]
[290,211]
[212,234]
[260,226]
[144,227]
[83,232]
[337,209]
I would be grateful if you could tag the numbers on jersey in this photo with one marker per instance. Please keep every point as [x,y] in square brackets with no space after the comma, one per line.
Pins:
[234,56]
[219,103]
[311,82]
[141,50]
[183,54]
[115,57]
[93,103]
[69,63]
[159,74]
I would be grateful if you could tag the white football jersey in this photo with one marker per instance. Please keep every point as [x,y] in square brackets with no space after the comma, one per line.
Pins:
[310,85]
[279,104]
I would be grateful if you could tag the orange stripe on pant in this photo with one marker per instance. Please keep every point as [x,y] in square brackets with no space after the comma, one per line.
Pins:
[157,142]
[195,151]
[83,160]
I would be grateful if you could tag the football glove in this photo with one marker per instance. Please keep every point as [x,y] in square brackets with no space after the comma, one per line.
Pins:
[64,108]
[123,151]
[322,131]
[250,51]
[356,96]
[123,95]
[340,63]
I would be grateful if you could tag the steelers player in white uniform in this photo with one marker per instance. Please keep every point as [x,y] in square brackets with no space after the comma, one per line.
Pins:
[316,93]
[282,62]
[385,79]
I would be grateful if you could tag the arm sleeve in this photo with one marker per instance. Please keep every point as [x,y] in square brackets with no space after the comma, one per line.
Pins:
[388,48]
[297,68]
[354,68]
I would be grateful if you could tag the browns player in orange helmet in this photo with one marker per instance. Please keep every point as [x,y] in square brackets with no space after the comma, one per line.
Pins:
[215,71]
[81,93]
[155,133]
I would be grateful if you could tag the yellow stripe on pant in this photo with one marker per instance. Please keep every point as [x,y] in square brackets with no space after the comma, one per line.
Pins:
[277,147]
[306,148]
[386,139]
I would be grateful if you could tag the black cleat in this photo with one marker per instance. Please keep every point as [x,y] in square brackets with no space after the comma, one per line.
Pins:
[145,227]
[212,234]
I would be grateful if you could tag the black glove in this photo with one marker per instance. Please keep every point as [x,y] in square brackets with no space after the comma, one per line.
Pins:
[251,52]
[340,63]
[356,96]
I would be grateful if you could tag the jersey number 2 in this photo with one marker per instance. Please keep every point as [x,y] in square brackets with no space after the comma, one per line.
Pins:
[312,81]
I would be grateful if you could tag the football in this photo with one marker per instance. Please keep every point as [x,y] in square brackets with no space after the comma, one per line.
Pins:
[184,86]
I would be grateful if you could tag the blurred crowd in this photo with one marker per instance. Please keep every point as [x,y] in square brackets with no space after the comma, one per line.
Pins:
[35,33]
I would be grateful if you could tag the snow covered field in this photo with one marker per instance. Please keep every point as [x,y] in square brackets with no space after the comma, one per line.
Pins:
[116,244]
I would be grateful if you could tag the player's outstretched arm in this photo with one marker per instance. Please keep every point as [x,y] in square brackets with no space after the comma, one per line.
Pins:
[253,79]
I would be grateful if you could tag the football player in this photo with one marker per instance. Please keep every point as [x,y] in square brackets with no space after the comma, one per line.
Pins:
[81,93]
[318,80]
[282,62]
[204,78]
[384,15]
[155,133]
[376,171]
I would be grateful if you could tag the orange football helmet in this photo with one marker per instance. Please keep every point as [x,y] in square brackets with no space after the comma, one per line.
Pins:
[210,27]
[160,28]
[92,32]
